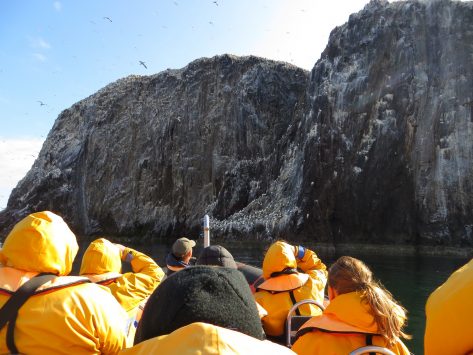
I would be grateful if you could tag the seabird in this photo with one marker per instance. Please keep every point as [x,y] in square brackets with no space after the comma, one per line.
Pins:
[41,103]
[143,64]
[216,3]
[108,18]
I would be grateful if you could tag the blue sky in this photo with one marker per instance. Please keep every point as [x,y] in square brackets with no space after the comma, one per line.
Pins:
[59,52]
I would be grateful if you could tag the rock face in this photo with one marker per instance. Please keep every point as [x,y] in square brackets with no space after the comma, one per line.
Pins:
[374,145]
[390,105]
[151,155]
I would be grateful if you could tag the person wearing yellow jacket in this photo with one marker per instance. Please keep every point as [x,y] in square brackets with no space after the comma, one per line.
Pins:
[66,315]
[102,264]
[361,312]
[449,313]
[206,339]
[202,310]
[292,274]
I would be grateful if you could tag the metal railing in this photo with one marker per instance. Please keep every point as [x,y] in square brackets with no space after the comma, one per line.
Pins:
[372,349]
[290,315]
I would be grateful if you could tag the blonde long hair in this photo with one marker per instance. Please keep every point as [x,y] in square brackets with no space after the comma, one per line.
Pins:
[348,274]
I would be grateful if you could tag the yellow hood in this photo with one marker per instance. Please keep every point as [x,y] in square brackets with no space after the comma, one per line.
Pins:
[352,310]
[279,256]
[41,242]
[449,312]
[206,339]
[101,256]
[346,313]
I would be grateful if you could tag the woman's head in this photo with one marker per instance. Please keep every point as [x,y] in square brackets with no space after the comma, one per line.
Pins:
[348,274]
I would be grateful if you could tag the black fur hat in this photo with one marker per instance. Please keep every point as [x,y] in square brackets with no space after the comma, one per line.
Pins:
[214,295]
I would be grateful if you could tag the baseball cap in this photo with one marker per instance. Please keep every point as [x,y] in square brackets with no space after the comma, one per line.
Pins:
[182,246]
[216,255]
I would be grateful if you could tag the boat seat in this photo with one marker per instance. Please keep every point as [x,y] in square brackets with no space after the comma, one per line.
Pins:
[294,322]
[371,349]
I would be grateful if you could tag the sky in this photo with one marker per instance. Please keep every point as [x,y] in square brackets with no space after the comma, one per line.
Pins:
[56,53]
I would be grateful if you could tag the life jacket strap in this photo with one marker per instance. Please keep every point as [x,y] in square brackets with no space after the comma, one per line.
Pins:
[9,311]
[369,341]
[286,271]
[293,299]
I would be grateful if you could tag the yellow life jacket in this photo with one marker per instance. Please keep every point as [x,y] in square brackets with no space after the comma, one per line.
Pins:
[345,325]
[11,279]
[289,279]
[59,328]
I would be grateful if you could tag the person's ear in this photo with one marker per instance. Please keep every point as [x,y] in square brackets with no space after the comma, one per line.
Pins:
[187,256]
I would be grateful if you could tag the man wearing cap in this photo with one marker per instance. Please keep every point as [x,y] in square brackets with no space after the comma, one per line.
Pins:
[180,256]
[216,255]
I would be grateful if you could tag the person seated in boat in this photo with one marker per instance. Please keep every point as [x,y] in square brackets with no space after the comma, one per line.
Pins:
[361,312]
[64,314]
[217,255]
[292,274]
[102,264]
[449,312]
[180,256]
[202,310]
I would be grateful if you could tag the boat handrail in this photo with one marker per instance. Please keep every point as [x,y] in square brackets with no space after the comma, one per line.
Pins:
[372,349]
[291,313]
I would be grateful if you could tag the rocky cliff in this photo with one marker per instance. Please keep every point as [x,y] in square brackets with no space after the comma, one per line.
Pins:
[151,155]
[374,145]
[390,105]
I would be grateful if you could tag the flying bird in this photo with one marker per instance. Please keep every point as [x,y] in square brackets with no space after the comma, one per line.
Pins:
[216,3]
[143,64]
[41,103]
[107,18]
[211,23]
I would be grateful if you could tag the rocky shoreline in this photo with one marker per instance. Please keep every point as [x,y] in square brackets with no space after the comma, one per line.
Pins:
[359,249]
